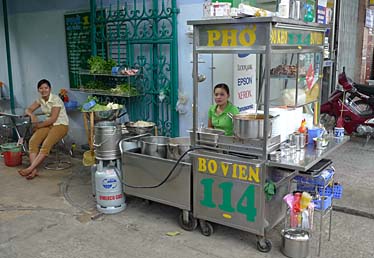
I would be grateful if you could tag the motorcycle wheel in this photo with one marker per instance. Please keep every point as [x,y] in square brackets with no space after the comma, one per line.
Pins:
[328,121]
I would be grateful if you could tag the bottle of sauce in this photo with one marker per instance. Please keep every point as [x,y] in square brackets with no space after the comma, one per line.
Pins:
[303,130]
[305,200]
[295,219]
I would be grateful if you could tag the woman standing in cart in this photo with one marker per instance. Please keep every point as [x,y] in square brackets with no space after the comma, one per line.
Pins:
[218,116]
[47,133]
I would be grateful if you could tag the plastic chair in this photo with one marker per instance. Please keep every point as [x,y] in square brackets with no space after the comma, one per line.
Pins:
[58,163]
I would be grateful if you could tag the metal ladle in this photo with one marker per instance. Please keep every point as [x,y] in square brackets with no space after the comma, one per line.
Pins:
[201,77]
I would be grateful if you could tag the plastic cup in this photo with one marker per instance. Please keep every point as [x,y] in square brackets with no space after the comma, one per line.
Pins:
[313,133]
[339,132]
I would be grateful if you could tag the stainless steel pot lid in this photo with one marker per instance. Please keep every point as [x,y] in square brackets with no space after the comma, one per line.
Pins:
[296,234]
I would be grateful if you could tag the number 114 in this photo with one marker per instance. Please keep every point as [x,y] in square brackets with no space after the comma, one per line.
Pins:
[245,205]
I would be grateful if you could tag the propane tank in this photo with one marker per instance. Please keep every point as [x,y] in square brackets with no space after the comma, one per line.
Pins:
[109,194]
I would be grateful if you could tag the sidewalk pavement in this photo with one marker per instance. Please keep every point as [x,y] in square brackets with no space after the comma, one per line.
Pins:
[50,217]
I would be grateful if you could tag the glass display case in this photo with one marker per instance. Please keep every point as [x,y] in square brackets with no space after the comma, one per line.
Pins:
[268,63]
[297,77]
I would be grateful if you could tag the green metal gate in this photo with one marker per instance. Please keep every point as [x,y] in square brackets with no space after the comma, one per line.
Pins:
[143,35]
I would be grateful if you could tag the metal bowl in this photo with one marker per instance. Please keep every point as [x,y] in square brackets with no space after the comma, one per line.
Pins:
[132,128]
[107,115]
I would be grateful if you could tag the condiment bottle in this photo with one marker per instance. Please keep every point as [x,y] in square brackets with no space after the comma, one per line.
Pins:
[295,211]
[296,202]
[305,200]
[303,130]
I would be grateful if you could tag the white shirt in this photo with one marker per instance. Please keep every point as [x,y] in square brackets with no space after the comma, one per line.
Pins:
[54,101]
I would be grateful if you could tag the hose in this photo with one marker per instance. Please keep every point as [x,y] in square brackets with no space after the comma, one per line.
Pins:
[167,177]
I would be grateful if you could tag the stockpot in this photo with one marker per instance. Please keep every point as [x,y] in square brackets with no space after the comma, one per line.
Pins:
[295,242]
[177,146]
[106,139]
[155,146]
[250,126]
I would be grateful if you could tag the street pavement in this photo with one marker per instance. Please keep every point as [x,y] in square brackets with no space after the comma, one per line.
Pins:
[54,216]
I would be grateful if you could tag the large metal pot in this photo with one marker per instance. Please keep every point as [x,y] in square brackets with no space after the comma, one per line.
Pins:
[106,139]
[155,146]
[250,126]
[178,146]
[295,242]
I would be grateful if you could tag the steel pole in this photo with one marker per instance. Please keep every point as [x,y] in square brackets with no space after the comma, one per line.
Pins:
[9,61]
[174,73]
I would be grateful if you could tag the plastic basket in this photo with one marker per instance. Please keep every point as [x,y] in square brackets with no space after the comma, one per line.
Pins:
[71,104]
[328,191]
[336,191]
[319,180]
[306,188]
[326,202]
[12,159]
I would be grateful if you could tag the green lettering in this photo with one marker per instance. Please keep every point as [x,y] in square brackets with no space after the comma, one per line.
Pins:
[226,197]
[208,196]
[246,204]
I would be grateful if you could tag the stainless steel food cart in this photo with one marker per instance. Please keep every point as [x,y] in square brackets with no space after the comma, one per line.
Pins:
[226,178]
[147,177]
[230,177]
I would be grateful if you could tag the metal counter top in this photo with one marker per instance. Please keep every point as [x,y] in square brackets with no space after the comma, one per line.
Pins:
[309,156]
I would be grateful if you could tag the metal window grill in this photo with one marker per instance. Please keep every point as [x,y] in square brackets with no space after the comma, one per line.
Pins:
[142,35]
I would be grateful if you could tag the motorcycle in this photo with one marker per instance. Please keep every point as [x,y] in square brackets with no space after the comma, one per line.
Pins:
[350,106]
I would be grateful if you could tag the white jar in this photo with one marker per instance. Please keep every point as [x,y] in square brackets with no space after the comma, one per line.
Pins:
[284,9]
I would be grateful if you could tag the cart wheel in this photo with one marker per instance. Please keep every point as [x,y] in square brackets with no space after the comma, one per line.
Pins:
[264,246]
[206,228]
[190,225]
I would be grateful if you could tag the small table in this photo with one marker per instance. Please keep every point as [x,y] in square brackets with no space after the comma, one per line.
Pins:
[14,118]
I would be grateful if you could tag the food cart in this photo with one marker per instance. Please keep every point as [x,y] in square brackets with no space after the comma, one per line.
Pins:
[229,179]
[226,179]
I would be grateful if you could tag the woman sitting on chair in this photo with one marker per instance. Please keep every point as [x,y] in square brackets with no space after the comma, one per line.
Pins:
[46,133]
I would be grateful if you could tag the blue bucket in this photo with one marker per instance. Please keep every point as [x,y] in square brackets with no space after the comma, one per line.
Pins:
[313,133]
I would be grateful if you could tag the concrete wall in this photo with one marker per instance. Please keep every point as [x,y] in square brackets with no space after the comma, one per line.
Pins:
[38,50]
[192,11]
[347,37]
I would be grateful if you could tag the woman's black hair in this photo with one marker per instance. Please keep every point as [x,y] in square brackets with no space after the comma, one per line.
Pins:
[222,86]
[44,81]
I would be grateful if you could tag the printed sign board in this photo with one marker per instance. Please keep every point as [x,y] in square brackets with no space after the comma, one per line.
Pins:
[244,81]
